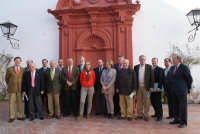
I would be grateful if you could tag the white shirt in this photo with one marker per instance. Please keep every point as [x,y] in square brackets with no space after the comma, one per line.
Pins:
[17,67]
[141,75]
[33,74]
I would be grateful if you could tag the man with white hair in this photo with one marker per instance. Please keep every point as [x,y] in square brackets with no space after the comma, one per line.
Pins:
[181,81]
[33,87]
[53,80]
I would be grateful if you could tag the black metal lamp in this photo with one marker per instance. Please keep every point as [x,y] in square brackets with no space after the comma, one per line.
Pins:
[194,19]
[8,30]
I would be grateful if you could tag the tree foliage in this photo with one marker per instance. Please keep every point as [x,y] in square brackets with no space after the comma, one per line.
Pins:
[190,58]
[5,60]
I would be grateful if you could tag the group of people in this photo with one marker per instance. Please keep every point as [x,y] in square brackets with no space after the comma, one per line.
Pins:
[113,85]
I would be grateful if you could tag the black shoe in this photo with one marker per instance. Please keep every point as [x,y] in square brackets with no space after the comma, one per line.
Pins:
[159,119]
[111,116]
[169,117]
[105,115]
[27,116]
[174,122]
[41,118]
[182,125]
[31,119]
[97,114]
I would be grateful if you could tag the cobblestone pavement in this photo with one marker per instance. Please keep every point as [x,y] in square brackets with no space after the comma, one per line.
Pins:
[99,125]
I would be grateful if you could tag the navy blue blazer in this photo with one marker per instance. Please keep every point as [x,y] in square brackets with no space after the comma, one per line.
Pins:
[158,76]
[182,81]
[166,81]
[39,82]
[97,83]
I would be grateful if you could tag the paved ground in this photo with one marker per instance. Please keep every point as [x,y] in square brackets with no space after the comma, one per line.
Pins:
[99,125]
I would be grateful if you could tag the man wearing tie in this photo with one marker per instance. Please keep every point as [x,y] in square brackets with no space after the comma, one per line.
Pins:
[145,84]
[98,90]
[70,75]
[168,86]
[156,94]
[117,67]
[181,81]
[26,107]
[42,70]
[52,80]
[14,77]
[33,87]
[60,64]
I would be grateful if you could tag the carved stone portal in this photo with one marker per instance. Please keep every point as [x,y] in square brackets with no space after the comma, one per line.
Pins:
[95,29]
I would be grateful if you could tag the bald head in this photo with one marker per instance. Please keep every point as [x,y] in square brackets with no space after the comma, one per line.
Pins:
[125,63]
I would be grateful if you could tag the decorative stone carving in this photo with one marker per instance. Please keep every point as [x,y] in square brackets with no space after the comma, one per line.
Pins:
[95,29]
[94,41]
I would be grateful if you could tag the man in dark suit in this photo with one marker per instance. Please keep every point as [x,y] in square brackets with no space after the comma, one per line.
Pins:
[42,70]
[117,67]
[33,87]
[156,94]
[145,84]
[53,80]
[168,86]
[98,90]
[81,66]
[70,81]
[181,81]
[26,107]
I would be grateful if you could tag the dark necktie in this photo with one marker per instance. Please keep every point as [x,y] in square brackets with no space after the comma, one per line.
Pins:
[175,70]
[119,68]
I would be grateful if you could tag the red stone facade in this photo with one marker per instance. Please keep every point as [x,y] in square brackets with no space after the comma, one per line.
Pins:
[95,29]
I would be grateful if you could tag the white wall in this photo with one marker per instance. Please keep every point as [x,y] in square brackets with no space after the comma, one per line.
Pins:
[37,30]
[155,26]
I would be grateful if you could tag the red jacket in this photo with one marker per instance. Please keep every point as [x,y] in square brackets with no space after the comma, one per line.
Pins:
[83,79]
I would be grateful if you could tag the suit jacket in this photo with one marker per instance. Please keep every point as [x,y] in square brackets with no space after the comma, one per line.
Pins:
[53,85]
[97,84]
[166,81]
[128,84]
[148,76]
[74,77]
[182,81]
[79,83]
[26,69]
[39,82]
[158,76]
[13,81]
[41,70]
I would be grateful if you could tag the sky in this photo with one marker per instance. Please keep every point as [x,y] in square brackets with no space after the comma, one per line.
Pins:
[184,5]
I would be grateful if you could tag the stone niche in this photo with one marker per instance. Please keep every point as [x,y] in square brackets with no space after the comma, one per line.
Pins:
[95,29]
